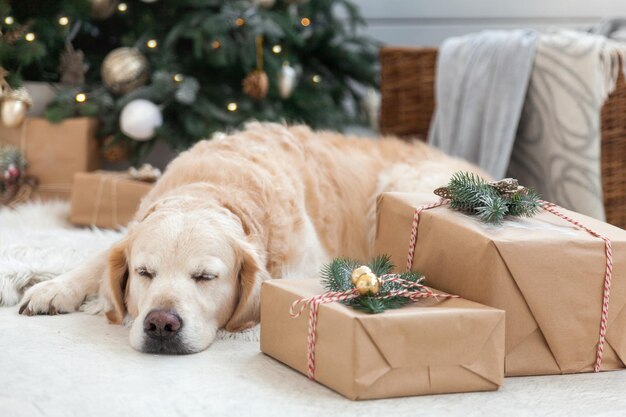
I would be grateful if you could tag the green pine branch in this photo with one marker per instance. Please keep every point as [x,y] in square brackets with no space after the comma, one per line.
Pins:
[472,194]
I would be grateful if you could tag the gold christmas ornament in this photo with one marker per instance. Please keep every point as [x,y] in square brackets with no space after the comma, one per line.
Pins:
[363,269]
[368,284]
[257,84]
[102,9]
[124,70]
[15,105]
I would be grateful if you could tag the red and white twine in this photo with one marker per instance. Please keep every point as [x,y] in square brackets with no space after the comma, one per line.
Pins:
[411,290]
[416,220]
[608,273]
[554,209]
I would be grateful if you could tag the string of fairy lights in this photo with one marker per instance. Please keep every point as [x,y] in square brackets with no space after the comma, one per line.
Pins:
[122,7]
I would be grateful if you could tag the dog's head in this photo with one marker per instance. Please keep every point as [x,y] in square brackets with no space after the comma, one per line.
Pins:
[186,270]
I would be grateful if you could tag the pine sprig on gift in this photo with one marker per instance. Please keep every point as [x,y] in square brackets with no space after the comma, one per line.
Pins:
[525,204]
[337,276]
[470,193]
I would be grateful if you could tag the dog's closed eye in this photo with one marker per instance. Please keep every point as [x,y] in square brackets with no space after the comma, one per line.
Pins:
[203,276]
[145,272]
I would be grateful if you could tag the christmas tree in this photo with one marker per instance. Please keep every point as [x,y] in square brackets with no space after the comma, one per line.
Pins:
[178,70]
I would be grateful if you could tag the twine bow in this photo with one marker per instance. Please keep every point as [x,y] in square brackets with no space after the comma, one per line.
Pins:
[410,290]
[554,209]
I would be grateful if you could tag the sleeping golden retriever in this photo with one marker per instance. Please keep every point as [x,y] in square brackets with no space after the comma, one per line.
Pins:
[268,202]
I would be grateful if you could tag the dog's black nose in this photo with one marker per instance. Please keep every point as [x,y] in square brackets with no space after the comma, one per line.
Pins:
[162,324]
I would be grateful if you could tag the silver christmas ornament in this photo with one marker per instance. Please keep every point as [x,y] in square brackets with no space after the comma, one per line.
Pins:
[187,91]
[287,80]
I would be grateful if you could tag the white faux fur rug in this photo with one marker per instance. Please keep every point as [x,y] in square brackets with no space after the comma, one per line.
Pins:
[37,243]
[78,365]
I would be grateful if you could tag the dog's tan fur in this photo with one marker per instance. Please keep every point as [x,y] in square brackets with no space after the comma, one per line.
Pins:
[267,202]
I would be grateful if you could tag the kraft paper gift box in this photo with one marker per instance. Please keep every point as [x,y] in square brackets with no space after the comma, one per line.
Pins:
[55,152]
[106,199]
[547,274]
[428,347]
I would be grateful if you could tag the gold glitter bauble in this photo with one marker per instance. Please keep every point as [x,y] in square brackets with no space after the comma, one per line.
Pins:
[102,9]
[256,84]
[368,284]
[15,105]
[358,272]
[124,70]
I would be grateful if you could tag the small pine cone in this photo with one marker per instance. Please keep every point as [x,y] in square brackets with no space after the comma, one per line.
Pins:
[443,192]
[256,84]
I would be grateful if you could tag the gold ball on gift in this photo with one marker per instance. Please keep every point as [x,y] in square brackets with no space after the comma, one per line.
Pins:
[363,269]
[256,84]
[102,9]
[15,105]
[368,284]
[124,70]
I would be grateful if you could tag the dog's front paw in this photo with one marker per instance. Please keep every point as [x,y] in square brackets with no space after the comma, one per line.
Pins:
[50,297]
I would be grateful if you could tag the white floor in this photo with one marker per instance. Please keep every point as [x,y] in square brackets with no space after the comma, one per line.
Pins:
[78,365]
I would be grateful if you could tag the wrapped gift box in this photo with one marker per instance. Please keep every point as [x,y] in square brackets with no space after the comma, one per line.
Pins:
[55,152]
[428,347]
[106,199]
[547,274]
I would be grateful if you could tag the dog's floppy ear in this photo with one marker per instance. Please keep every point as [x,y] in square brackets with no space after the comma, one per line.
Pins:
[251,276]
[115,280]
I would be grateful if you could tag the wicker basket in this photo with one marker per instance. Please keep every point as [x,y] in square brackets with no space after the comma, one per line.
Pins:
[408,102]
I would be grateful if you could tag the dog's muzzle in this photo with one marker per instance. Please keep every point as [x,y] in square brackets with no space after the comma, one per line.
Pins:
[162,328]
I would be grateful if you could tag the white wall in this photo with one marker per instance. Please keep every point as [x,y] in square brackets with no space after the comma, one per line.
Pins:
[429,22]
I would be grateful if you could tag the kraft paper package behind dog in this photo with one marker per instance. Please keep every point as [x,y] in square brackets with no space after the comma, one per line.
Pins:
[546,273]
[106,199]
[426,347]
[55,151]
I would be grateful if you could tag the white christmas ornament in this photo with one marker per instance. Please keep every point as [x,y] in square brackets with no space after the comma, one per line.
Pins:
[371,103]
[139,119]
[287,78]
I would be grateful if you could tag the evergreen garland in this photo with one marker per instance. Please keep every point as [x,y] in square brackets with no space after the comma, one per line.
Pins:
[336,276]
[470,193]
